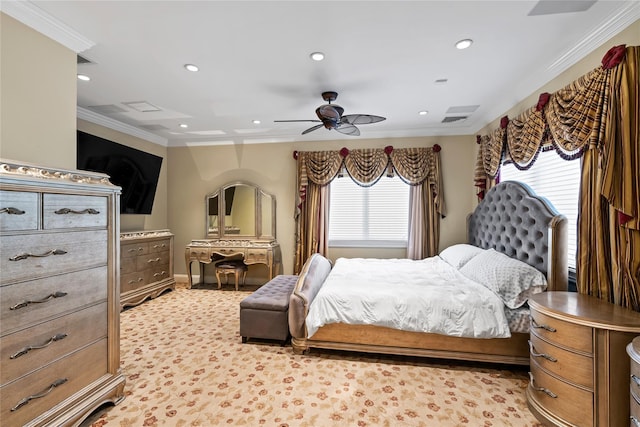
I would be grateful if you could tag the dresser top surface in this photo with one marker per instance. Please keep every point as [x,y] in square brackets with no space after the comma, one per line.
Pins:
[586,310]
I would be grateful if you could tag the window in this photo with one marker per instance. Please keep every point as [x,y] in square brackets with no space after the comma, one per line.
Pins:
[557,180]
[376,216]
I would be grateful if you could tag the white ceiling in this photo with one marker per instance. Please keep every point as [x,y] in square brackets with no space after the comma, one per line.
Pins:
[382,57]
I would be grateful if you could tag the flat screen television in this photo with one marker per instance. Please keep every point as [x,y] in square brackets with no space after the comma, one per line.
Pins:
[136,171]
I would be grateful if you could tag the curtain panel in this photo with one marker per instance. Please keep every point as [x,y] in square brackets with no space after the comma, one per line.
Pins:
[415,166]
[596,117]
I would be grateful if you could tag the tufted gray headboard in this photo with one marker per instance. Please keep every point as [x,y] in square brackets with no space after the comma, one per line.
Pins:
[511,219]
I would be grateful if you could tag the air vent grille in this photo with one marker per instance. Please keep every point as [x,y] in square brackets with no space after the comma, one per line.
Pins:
[82,60]
[451,119]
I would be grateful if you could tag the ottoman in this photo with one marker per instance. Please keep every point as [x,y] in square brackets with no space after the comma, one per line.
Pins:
[265,313]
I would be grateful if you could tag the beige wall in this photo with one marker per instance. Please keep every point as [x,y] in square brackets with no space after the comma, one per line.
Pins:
[197,171]
[37,97]
[158,218]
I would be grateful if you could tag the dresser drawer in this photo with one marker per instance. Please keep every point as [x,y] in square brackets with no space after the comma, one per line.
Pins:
[131,281]
[132,250]
[635,410]
[573,367]
[71,211]
[257,256]
[161,272]
[18,210]
[32,348]
[72,373]
[42,255]
[572,404]
[73,290]
[564,334]
[159,246]
[151,261]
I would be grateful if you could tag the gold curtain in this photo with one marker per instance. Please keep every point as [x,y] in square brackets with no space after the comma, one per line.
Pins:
[621,179]
[416,166]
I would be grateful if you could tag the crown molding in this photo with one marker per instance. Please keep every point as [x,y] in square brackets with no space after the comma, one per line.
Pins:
[616,23]
[99,119]
[36,18]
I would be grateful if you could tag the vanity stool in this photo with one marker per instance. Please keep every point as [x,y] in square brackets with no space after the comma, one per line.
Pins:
[236,267]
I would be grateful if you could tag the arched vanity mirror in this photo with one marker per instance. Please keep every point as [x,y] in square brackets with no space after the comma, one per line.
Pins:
[240,223]
[240,210]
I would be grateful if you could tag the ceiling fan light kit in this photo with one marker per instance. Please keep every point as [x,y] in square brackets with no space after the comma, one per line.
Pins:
[330,117]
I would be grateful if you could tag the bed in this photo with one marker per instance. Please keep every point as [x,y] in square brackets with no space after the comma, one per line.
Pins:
[510,224]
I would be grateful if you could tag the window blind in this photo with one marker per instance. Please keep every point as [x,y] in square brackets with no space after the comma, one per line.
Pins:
[375,216]
[557,180]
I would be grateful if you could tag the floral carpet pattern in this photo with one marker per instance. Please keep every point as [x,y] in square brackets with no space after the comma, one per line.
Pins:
[185,365]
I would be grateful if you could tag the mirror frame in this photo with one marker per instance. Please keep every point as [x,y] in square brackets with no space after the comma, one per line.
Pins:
[259,194]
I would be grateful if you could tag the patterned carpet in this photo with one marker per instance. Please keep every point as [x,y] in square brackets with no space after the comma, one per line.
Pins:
[186,366]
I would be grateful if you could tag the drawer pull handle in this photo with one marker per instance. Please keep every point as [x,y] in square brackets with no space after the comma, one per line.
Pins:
[153,260]
[12,211]
[532,351]
[159,246]
[162,273]
[139,279]
[20,257]
[65,211]
[545,327]
[635,379]
[43,393]
[542,389]
[23,304]
[26,350]
[135,250]
[634,421]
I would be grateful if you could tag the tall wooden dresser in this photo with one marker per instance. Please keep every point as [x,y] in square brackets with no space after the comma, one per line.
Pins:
[579,369]
[59,312]
[146,265]
[634,393]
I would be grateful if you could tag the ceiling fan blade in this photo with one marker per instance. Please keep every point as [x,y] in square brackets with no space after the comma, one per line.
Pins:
[348,129]
[362,119]
[288,121]
[312,128]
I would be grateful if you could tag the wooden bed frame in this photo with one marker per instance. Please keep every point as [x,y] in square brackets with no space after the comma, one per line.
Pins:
[510,219]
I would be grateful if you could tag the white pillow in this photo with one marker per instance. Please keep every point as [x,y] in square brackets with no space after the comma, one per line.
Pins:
[458,255]
[512,280]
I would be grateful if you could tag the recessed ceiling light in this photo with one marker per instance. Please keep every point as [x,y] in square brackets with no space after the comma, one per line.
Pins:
[184,125]
[191,67]
[84,77]
[255,122]
[463,44]
[423,112]
[317,56]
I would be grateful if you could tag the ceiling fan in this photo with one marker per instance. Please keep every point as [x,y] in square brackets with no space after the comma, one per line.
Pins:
[331,117]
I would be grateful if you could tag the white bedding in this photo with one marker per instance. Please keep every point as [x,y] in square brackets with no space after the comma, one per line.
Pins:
[424,296]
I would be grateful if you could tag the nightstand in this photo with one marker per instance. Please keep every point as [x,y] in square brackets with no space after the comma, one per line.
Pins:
[634,396]
[577,347]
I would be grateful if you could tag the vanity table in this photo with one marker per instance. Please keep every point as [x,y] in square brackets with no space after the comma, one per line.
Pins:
[240,221]
[250,251]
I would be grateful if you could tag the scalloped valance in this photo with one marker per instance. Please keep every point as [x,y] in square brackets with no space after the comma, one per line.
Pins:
[570,120]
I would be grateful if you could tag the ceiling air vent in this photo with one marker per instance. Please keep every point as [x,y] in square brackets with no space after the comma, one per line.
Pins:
[107,109]
[154,127]
[82,60]
[451,119]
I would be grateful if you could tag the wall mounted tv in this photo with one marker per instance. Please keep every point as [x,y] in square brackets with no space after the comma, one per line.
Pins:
[136,171]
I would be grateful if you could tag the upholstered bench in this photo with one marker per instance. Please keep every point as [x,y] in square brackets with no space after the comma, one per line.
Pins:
[265,313]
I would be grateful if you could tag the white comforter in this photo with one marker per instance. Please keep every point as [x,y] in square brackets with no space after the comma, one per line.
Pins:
[425,296]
